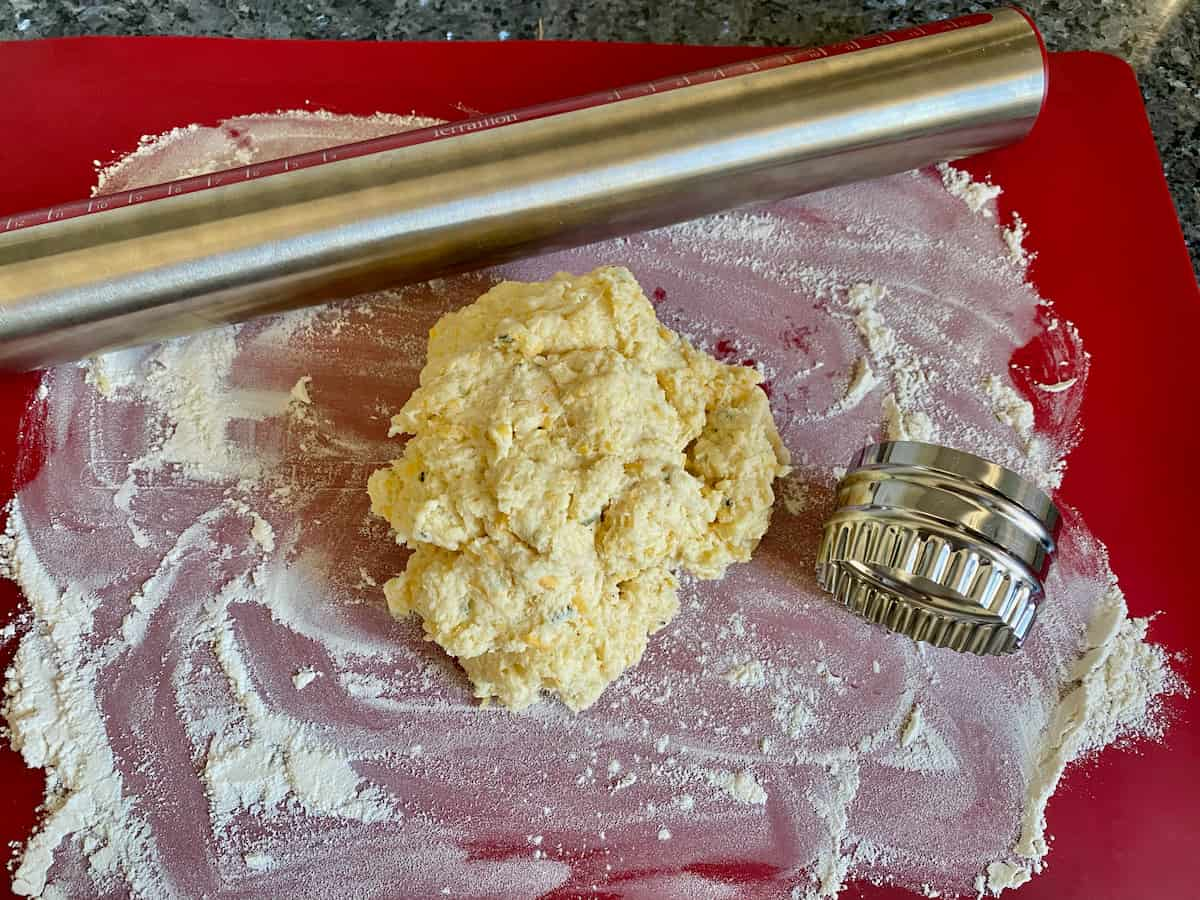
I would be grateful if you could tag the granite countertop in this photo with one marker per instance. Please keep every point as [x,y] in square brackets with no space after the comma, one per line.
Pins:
[1160,38]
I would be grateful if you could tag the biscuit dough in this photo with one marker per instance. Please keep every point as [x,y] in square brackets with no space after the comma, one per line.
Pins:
[569,454]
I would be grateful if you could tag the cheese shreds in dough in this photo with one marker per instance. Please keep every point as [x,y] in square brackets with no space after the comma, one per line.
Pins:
[569,454]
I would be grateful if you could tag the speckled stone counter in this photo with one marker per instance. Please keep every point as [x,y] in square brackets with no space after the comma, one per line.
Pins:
[1160,38]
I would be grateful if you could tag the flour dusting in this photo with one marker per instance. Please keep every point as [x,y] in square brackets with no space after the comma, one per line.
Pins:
[977,195]
[222,704]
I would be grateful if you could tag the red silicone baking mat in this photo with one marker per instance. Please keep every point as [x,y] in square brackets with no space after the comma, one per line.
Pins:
[1110,254]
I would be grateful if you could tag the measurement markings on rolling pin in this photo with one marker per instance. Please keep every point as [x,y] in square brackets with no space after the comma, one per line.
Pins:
[372,223]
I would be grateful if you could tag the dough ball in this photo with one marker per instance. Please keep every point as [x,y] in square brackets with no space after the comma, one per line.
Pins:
[568,455]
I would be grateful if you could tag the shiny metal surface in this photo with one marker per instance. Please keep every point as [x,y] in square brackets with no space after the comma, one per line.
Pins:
[125,276]
[940,545]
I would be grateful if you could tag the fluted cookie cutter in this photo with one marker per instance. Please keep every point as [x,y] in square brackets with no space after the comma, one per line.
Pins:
[940,545]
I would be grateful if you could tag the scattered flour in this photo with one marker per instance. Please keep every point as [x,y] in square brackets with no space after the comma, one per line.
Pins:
[747,675]
[303,677]
[862,382]
[1014,239]
[906,424]
[299,390]
[977,195]
[186,542]
[1057,387]
[794,719]
[905,370]
[1112,691]
[912,727]
[263,533]
[259,759]
[1009,407]
[55,723]
[742,786]
[259,862]
[926,751]
[1002,875]
[198,149]
[831,803]
[864,299]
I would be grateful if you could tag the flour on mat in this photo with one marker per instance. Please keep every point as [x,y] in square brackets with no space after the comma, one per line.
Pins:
[912,727]
[748,674]
[1014,239]
[1002,875]
[299,390]
[1058,387]
[862,382]
[1110,695]
[740,786]
[55,722]
[976,194]
[262,532]
[239,141]
[908,375]
[1009,407]
[221,702]
[302,678]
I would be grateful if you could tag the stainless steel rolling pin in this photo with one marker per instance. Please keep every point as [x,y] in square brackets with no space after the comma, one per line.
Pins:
[123,269]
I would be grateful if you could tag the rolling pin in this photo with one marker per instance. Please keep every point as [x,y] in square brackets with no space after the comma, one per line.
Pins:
[143,265]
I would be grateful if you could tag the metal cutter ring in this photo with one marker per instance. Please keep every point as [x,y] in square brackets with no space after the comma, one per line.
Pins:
[940,545]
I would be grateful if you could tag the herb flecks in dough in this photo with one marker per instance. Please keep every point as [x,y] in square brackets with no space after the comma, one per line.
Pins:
[569,454]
